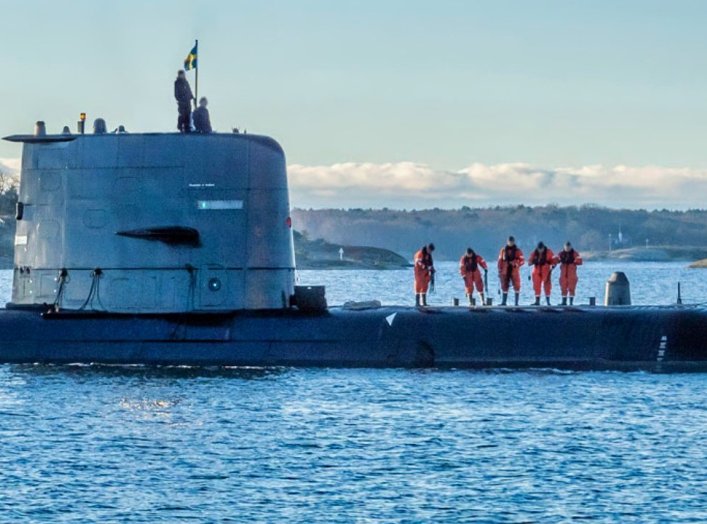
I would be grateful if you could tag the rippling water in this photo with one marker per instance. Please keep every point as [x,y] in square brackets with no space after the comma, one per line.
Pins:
[133,444]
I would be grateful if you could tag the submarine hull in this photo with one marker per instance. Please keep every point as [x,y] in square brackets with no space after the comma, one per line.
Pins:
[661,339]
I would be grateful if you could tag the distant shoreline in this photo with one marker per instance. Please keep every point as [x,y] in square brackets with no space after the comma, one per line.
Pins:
[323,256]
[687,254]
[340,266]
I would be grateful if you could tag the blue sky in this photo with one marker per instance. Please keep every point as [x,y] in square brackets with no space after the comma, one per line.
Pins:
[444,84]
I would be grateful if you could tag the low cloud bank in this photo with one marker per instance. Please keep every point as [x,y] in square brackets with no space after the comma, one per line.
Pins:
[411,185]
[10,166]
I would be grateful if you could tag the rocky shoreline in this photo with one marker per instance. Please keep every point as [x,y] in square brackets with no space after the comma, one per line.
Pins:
[320,254]
[651,254]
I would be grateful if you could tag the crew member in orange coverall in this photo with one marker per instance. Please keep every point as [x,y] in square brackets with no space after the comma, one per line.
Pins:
[424,273]
[543,261]
[469,265]
[569,260]
[509,261]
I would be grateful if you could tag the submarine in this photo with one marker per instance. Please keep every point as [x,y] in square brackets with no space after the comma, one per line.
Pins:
[177,249]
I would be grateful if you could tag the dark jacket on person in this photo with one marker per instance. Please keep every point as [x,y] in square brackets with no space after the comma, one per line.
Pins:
[202,122]
[182,92]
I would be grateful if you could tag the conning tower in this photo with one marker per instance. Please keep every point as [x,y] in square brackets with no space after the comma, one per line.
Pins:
[153,223]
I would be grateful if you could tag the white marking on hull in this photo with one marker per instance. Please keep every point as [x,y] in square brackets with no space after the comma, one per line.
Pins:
[219,204]
[662,348]
[390,319]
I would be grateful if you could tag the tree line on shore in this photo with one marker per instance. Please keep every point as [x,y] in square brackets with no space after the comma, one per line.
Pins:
[8,200]
[588,227]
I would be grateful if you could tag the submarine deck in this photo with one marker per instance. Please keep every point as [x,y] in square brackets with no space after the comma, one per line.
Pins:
[654,338]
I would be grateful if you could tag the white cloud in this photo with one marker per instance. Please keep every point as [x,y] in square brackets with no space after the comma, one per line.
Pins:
[10,171]
[414,185]
[411,185]
[10,166]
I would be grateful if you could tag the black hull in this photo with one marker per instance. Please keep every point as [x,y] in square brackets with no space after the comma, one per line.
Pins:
[658,339]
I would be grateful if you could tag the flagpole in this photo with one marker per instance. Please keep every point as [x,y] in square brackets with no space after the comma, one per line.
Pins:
[196,77]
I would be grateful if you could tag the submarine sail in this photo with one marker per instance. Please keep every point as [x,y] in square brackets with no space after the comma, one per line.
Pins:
[216,208]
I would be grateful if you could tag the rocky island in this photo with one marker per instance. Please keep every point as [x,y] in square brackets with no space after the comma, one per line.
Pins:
[320,254]
[650,254]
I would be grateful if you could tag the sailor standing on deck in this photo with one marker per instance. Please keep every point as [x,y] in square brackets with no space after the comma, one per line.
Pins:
[510,259]
[469,268]
[543,261]
[184,97]
[424,273]
[569,260]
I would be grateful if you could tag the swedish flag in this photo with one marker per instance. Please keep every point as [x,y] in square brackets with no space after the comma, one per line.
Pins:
[190,60]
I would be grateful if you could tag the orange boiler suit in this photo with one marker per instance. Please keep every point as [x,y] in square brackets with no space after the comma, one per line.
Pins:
[569,260]
[469,270]
[510,259]
[542,266]
[423,271]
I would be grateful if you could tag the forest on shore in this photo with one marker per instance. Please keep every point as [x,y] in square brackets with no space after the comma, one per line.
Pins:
[591,229]
[8,200]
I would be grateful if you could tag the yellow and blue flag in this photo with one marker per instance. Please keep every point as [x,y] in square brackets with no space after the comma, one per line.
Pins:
[190,60]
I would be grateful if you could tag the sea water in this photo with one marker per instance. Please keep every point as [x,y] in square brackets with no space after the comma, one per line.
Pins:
[137,444]
[650,282]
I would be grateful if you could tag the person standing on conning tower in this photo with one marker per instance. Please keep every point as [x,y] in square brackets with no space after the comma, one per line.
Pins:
[184,97]
[202,121]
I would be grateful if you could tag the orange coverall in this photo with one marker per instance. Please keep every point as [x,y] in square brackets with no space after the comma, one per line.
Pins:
[509,261]
[542,265]
[569,261]
[423,271]
[469,270]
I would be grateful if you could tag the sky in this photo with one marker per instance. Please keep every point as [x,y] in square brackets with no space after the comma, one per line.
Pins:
[394,103]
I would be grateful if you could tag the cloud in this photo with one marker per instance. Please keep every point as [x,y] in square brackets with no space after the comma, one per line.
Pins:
[10,166]
[9,172]
[413,185]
